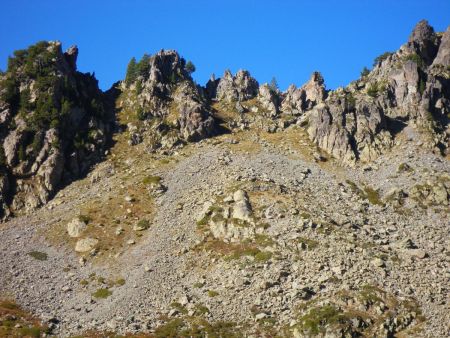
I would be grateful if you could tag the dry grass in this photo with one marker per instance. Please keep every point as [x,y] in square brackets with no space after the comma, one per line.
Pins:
[15,322]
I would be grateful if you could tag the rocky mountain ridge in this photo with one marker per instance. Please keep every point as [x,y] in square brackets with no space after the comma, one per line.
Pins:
[167,109]
[233,209]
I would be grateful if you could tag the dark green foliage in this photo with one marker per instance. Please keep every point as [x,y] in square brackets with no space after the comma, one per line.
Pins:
[25,98]
[273,85]
[97,108]
[422,86]
[37,143]
[2,158]
[173,78]
[21,153]
[365,71]
[10,93]
[319,318]
[416,59]
[190,67]
[381,58]
[132,72]
[141,115]
[138,87]
[40,256]
[143,66]
[373,90]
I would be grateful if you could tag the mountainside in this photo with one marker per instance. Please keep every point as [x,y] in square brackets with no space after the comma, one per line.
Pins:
[164,208]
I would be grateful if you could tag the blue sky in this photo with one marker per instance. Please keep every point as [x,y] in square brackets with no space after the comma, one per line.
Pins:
[285,39]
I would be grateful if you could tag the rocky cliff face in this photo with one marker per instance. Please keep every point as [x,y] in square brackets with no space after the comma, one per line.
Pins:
[163,104]
[54,123]
[408,86]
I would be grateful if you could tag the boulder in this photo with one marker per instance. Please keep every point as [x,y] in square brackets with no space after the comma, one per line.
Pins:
[86,244]
[76,227]
[241,209]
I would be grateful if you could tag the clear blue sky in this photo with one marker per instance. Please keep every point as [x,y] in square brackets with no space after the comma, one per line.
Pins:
[286,39]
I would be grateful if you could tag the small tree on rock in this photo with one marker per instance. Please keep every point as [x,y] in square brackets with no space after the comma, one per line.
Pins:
[273,84]
[131,72]
[190,67]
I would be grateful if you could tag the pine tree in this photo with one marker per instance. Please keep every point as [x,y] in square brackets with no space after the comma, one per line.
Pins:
[132,72]
[273,84]
[190,67]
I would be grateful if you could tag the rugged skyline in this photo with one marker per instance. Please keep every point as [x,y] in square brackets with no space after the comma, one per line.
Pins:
[288,41]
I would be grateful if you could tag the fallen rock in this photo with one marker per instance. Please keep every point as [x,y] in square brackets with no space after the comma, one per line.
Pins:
[86,244]
[76,227]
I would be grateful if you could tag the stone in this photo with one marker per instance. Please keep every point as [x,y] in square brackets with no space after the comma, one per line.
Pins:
[76,227]
[86,244]
[241,208]
[377,262]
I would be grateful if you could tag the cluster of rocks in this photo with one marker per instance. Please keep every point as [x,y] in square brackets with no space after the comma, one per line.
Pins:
[232,220]
[172,107]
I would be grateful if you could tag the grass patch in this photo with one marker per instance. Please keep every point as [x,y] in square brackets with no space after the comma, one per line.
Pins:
[180,308]
[102,293]
[197,327]
[263,256]
[85,218]
[316,320]
[367,192]
[212,293]
[151,180]
[14,322]
[120,282]
[40,256]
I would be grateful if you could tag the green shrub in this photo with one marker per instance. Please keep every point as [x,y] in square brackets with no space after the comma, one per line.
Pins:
[189,68]
[372,90]
[365,71]
[10,93]
[140,114]
[212,293]
[416,59]
[40,256]
[263,256]
[85,218]
[151,180]
[422,86]
[102,293]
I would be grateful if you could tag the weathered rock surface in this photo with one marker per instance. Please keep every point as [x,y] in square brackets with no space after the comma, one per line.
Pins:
[299,100]
[408,86]
[75,227]
[235,88]
[85,244]
[171,106]
[55,123]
